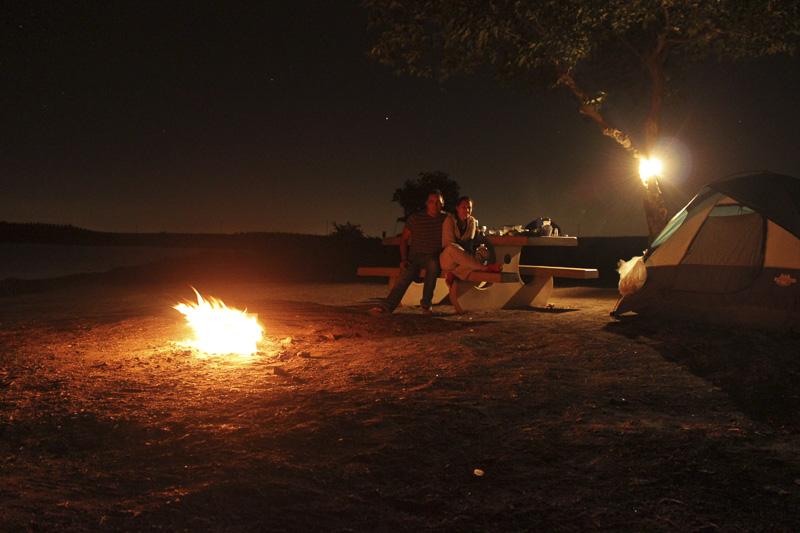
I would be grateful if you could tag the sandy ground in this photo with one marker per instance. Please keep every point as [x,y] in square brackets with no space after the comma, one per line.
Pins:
[511,420]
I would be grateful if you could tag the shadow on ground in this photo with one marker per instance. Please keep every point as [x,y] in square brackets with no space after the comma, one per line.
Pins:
[759,370]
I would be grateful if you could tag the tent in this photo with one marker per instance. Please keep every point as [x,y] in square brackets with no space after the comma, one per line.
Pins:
[731,256]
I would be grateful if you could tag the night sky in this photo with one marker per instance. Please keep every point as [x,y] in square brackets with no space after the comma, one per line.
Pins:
[268,116]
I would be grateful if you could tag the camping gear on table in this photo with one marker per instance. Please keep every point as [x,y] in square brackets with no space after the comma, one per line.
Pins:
[731,256]
[542,227]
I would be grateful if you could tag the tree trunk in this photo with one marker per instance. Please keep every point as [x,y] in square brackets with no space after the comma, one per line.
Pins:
[654,209]
[655,66]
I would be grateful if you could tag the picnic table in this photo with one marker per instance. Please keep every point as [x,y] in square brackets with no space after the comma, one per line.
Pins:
[515,286]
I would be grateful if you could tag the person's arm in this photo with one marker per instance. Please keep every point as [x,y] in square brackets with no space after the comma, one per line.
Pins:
[404,248]
[472,228]
[468,239]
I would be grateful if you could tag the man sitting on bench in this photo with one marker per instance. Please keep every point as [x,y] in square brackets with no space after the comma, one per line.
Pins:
[423,233]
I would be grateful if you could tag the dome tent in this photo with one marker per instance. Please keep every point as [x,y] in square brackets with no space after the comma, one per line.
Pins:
[731,256]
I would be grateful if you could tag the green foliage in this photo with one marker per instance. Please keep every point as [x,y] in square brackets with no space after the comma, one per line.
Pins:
[347,231]
[521,38]
[414,193]
[584,45]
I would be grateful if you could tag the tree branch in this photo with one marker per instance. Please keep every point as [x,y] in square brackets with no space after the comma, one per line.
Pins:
[586,108]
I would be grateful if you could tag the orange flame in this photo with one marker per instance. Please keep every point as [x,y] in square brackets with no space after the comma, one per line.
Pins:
[219,329]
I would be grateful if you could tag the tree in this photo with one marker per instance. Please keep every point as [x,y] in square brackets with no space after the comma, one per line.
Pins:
[348,232]
[592,49]
[413,194]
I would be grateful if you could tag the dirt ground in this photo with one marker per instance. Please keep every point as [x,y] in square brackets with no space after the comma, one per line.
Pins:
[511,420]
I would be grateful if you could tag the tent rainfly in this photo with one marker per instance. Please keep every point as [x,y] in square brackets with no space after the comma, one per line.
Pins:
[731,256]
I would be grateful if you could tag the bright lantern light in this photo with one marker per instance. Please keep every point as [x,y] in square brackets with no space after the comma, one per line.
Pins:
[649,168]
[219,329]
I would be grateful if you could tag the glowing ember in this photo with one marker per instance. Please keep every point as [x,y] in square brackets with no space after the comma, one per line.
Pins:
[219,329]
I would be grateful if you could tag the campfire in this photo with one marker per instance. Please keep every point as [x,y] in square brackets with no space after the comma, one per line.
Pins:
[219,329]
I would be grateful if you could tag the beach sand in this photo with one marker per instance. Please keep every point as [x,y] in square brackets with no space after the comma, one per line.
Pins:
[559,419]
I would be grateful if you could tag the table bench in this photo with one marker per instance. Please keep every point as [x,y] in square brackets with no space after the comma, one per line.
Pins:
[529,285]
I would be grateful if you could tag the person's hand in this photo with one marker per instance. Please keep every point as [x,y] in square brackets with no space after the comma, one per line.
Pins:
[405,264]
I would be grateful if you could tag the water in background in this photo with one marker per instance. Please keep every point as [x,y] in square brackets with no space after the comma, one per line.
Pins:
[39,261]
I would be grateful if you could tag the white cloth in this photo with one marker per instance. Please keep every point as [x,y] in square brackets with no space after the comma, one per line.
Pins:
[461,262]
[451,234]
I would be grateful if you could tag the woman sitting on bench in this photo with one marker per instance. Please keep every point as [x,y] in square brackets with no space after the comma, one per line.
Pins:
[458,234]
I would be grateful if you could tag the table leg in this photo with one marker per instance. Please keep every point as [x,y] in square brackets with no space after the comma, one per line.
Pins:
[535,293]
[508,256]
[470,295]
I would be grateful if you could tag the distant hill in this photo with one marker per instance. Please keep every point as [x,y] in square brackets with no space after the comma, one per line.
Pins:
[240,256]
[40,233]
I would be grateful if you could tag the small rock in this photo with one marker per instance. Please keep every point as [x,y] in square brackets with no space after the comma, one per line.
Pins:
[277,371]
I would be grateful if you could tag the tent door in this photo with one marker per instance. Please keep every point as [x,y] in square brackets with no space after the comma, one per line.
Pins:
[727,252]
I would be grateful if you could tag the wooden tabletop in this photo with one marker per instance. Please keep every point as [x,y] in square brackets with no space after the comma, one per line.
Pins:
[512,240]
[526,240]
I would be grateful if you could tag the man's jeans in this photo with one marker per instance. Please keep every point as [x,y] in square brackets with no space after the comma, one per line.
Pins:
[430,262]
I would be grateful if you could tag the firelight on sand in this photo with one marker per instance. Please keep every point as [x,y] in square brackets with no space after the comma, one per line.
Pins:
[219,329]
